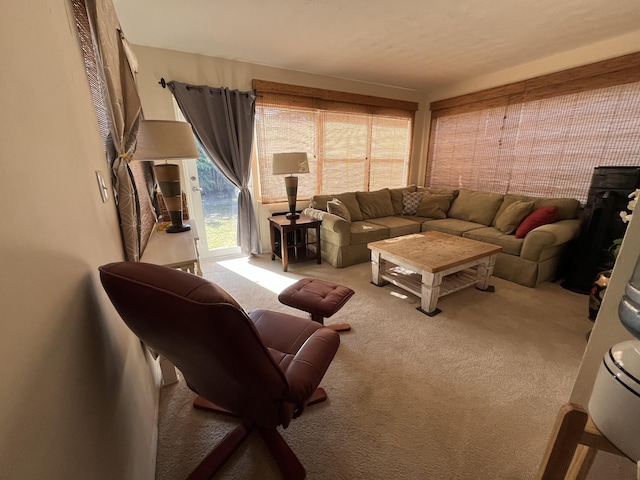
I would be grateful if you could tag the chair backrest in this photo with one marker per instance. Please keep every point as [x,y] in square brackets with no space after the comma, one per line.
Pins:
[203,331]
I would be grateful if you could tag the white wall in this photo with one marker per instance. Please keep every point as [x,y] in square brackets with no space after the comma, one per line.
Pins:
[78,398]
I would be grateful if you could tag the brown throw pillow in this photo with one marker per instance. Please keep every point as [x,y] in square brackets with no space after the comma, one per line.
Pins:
[512,216]
[411,202]
[434,206]
[336,207]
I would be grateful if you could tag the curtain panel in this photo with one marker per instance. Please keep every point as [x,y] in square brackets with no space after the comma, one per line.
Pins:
[223,122]
[542,136]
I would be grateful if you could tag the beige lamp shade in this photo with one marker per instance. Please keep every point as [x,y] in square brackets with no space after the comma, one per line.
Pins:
[293,162]
[165,140]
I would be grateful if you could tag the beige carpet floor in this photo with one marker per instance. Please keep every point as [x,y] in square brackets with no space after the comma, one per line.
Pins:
[471,393]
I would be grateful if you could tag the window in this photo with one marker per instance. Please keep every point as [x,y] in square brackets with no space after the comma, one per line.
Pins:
[353,142]
[539,137]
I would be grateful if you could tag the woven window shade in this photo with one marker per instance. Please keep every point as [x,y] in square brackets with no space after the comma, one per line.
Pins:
[343,150]
[91,66]
[390,152]
[284,128]
[538,137]
[351,146]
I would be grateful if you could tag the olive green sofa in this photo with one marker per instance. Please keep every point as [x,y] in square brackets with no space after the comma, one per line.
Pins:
[351,220]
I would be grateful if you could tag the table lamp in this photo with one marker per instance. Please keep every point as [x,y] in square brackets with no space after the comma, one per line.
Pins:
[167,140]
[290,163]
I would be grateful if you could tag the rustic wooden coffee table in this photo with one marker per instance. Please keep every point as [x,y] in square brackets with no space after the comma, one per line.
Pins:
[432,264]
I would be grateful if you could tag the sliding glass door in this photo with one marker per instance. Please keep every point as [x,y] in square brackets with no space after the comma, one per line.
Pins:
[213,207]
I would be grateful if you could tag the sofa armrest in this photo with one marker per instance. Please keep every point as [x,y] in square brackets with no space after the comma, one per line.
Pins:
[547,236]
[332,223]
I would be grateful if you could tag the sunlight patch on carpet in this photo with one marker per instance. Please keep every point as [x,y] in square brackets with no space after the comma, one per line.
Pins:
[272,281]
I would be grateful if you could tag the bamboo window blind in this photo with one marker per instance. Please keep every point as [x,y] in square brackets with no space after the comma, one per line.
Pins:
[353,142]
[539,137]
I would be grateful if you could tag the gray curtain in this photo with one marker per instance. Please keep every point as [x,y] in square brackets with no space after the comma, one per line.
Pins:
[223,122]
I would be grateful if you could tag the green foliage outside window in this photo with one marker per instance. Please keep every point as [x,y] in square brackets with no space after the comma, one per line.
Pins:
[212,182]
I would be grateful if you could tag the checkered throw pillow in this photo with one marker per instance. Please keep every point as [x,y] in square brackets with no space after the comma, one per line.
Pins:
[410,202]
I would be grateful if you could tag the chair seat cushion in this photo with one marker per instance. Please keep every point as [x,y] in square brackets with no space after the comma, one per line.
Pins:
[303,350]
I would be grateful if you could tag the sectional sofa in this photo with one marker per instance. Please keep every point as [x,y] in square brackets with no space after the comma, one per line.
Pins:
[533,232]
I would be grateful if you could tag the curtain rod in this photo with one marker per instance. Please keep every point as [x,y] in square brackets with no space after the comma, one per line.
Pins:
[164,84]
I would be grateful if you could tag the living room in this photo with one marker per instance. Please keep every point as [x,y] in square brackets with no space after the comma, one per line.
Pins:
[80,402]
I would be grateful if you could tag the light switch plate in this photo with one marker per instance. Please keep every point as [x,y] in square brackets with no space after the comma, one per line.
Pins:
[104,191]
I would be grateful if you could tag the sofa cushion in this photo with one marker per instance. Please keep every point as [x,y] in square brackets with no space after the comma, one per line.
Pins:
[319,202]
[538,217]
[567,207]
[507,200]
[363,232]
[477,207]
[375,204]
[411,202]
[434,206]
[438,191]
[509,243]
[351,202]
[451,226]
[336,207]
[396,198]
[511,217]
[399,225]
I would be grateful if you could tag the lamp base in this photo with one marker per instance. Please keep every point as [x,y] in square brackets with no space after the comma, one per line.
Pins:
[176,222]
[178,228]
[292,216]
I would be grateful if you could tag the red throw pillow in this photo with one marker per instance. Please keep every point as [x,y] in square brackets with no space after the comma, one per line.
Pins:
[538,217]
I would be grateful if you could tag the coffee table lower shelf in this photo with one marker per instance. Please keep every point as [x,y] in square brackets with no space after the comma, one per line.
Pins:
[412,282]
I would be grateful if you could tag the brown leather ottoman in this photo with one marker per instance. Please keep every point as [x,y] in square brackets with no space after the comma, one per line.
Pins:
[319,298]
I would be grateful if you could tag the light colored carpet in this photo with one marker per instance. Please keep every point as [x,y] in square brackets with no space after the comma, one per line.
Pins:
[469,394]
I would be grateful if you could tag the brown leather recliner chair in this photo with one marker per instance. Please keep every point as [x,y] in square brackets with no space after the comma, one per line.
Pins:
[263,367]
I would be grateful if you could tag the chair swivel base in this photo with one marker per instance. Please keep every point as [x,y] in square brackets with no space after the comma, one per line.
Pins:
[285,458]
[287,462]
[338,327]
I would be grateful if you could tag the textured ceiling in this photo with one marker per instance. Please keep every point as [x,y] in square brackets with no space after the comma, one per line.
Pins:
[414,44]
